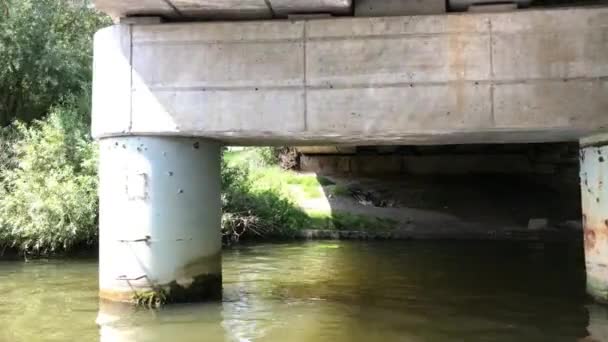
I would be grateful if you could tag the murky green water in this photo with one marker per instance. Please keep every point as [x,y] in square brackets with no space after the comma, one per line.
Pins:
[328,291]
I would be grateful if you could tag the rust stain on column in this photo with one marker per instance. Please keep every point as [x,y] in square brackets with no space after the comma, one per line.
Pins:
[595,214]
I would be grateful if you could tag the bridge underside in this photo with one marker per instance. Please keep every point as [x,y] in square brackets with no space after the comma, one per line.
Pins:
[528,76]
[165,96]
[222,9]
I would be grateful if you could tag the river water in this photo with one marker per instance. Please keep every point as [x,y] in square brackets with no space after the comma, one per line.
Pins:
[328,291]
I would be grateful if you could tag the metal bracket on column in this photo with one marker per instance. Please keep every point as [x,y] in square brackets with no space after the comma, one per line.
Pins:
[146,239]
[124,277]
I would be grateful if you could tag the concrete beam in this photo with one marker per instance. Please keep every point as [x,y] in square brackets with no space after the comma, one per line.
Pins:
[528,76]
[282,8]
[125,8]
[221,9]
[327,149]
[375,8]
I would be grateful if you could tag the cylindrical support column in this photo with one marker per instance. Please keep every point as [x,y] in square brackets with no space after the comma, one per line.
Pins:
[594,193]
[159,219]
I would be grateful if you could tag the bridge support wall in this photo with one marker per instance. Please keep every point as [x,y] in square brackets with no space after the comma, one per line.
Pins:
[594,193]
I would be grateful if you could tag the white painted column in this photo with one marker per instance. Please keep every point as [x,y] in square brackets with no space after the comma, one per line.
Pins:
[159,223]
[594,193]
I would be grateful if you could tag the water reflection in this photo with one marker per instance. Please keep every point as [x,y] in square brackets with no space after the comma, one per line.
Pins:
[382,291]
[118,323]
[328,291]
[598,322]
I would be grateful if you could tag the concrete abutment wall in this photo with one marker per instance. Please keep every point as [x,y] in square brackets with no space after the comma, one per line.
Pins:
[594,193]
[508,186]
[526,159]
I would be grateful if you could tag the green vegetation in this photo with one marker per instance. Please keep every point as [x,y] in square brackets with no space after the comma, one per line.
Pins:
[152,299]
[48,199]
[269,201]
[348,221]
[48,181]
[251,207]
[48,161]
[338,190]
[45,54]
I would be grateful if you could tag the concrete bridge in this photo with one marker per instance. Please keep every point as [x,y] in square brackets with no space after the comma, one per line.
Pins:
[172,83]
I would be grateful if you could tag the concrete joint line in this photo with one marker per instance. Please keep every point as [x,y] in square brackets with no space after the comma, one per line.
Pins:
[365,85]
[305,76]
[395,36]
[130,127]
[491,48]
[297,40]
[213,42]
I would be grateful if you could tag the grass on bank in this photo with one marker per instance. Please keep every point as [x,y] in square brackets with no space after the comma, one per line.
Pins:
[274,197]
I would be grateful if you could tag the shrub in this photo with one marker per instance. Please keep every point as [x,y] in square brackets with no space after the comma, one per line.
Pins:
[8,135]
[286,158]
[268,155]
[259,211]
[48,201]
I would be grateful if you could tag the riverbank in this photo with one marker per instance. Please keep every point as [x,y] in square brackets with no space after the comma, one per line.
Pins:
[409,207]
[263,202]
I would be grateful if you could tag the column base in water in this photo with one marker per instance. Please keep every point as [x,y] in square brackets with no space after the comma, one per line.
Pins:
[160,211]
[594,193]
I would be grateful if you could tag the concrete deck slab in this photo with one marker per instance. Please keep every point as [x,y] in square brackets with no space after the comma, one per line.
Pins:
[221,9]
[528,76]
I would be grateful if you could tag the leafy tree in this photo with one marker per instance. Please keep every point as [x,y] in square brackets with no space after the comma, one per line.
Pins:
[45,54]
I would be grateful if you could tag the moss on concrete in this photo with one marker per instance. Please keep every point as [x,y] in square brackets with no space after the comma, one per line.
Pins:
[150,299]
[207,287]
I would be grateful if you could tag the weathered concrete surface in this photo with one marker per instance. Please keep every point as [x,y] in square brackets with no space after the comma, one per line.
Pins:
[221,9]
[327,149]
[123,8]
[533,159]
[159,219]
[423,165]
[594,177]
[528,76]
[375,8]
[463,5]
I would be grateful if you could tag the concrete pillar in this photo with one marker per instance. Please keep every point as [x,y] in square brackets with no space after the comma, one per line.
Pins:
[160,209]
[594,192]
